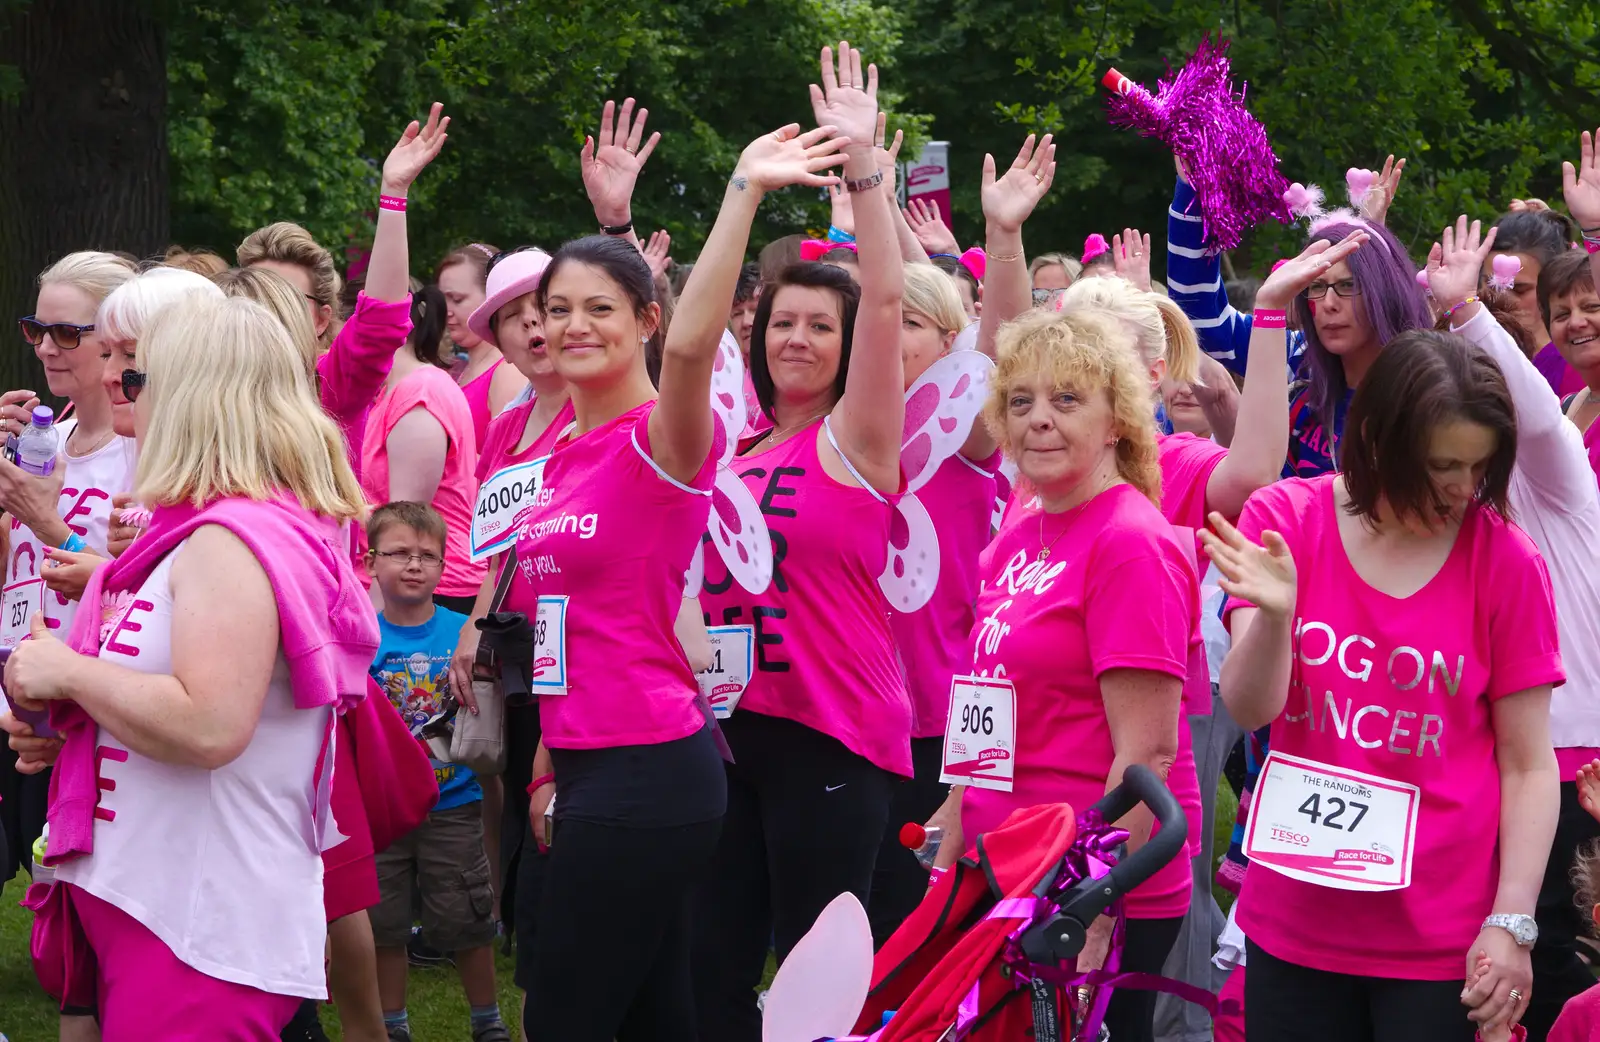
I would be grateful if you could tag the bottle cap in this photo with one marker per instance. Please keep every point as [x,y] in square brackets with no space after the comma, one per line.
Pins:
[43,416]
[912,836]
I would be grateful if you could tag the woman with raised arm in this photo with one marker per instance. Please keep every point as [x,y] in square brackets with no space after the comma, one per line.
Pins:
[356,361]
[628,753]
[1554,499]
[959,499]
[1399,635]
[1535,237]
[1569,295]
[823,729]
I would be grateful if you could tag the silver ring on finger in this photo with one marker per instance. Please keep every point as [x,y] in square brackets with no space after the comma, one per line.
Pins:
[1515,996]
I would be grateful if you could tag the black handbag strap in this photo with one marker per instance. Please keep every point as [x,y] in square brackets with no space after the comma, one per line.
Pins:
[508,570]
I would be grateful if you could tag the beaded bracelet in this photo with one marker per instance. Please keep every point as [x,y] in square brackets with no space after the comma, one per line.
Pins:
[1270,318]
[1453,308]
[396,203]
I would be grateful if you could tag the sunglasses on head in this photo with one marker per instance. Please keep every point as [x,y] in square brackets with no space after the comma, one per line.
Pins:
[503,254]
[65,334]
[133,382]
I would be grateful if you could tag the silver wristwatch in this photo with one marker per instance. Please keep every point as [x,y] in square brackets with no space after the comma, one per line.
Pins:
[1522,928]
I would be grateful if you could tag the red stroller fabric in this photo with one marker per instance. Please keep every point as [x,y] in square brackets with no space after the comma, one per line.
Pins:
[954,938]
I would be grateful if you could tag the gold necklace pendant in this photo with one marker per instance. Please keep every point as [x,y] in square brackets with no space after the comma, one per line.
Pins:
[1044,553]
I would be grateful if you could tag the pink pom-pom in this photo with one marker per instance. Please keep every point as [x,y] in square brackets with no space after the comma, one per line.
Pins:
[1359,182]
[1202,119]
[1303,200]
[1095,246]
[1505,267]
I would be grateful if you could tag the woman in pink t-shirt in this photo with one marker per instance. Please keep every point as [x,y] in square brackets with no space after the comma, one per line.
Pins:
[1087,621]
[1399,635]
[420,447]
[823,728]
[629,751]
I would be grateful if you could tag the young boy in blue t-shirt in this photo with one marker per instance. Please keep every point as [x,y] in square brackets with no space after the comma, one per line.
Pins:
[444,858]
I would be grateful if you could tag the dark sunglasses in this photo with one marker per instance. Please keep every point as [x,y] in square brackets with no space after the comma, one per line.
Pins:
[503,254]
[133,382]
[65,334]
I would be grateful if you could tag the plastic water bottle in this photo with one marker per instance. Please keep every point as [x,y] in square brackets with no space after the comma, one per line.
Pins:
[923,842]
[41,873]
[39,442]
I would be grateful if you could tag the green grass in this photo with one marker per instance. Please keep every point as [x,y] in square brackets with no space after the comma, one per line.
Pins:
[438,1008]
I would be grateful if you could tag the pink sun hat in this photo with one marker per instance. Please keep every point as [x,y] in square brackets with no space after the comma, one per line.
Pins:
[516,274]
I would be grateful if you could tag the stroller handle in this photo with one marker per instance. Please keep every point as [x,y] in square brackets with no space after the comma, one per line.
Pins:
[1140,785]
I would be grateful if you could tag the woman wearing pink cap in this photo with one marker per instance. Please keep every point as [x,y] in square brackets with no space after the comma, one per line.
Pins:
[488,384]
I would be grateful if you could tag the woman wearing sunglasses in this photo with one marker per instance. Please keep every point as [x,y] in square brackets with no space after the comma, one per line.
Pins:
[54,517]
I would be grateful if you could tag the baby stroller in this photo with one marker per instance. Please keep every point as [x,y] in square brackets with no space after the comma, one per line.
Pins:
[991,953]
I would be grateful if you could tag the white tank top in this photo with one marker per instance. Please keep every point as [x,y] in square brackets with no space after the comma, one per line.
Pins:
[85,506]
[221,865]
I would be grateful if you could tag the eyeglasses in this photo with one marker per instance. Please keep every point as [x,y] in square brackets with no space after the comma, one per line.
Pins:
[65,334]
[1345,288]
[402,558]
[133,382]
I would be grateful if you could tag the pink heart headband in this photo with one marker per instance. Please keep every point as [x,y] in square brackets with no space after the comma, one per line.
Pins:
[1505,267]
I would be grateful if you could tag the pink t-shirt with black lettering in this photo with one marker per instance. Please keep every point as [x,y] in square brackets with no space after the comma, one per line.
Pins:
[1116,592]
[932,641]
[614,534]
[824,656]
[1401,688]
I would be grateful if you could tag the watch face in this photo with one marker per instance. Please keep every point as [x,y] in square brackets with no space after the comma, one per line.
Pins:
[1526,931]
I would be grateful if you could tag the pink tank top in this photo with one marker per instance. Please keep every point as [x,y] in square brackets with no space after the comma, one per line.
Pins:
[823,652]
[432,389]
[477,392]
[612,534]
[933,640]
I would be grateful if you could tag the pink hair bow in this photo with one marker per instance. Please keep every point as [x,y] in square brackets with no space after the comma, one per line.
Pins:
[816,249]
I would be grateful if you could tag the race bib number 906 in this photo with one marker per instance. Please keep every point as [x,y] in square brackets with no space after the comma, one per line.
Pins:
[980,737]
[1332,826]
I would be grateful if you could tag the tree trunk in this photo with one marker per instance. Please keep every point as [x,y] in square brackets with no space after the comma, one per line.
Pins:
[83,148]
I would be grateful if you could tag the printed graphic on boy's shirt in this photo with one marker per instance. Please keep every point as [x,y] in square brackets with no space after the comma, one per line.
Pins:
[417,685]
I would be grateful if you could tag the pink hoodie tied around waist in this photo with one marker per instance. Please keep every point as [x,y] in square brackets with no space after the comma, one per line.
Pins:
[326,627]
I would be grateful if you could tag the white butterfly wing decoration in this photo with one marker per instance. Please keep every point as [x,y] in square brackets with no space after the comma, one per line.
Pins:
[940,409]
[736,526]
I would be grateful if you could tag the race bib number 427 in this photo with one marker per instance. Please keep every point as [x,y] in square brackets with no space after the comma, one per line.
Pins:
[1332,826]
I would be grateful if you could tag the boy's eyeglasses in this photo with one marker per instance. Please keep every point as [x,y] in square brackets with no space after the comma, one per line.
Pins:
[402,558]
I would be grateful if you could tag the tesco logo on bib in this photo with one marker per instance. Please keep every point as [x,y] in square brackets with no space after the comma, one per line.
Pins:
[1283,835]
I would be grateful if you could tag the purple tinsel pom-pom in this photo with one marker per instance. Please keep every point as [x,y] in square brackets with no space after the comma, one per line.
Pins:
[1199,116]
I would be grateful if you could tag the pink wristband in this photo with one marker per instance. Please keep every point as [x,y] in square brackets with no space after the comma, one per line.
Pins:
[392,202]
[1591,245]
[1270,318]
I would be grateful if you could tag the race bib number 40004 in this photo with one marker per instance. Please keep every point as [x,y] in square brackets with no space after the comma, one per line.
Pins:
[732,659]
[500,500]
[980,737]
[1332,826]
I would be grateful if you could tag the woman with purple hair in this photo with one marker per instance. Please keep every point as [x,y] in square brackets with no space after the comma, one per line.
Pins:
[1344,318]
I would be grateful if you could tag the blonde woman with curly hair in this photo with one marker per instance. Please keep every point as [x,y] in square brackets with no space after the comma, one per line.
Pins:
[196,698]
[1088,614]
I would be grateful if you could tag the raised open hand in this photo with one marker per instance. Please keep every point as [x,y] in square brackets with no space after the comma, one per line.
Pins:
[1263,575]
[1009,200]
[1455,263]
[922,215]
[787,157]
[888,157]
[1528,206]
[1589,788]
[1581,186]
[1293,276]
[848,98]
[417,147]
[657,252]
[1380,195]
[1130,252]
[611,166]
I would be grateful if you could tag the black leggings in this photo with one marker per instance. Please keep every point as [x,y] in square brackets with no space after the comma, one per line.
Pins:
[1284,1002]
[1558,973]
[899,881]
[805,820]
[612,958]
[1145,947]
